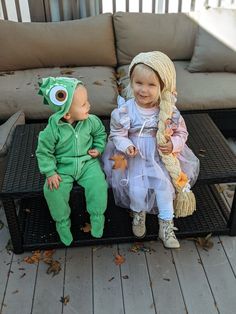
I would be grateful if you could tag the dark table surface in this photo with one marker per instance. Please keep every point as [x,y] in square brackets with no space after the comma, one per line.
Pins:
[217,161]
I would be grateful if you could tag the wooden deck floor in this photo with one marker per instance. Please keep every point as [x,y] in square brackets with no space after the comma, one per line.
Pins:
[155,280]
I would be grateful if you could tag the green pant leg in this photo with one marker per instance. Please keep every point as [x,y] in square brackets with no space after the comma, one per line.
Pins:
[92,179]
[58,203]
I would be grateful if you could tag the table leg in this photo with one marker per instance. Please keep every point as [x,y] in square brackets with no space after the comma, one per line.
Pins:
[232,219]
[13,225]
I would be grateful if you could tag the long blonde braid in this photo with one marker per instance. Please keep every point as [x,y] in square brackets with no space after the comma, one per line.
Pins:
[185,203]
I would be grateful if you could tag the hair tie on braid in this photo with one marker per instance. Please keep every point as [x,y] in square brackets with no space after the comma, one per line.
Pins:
[184,203]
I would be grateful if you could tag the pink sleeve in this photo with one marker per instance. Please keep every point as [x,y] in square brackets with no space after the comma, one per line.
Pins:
[179,136]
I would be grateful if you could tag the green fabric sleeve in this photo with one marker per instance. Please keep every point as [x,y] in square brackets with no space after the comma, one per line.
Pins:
[99,134]
[45,152]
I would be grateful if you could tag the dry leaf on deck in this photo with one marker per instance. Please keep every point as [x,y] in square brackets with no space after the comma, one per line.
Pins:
[86,228]
[119,259]
[35,258]
[65,300]
[54,268]
[47,256]
[120,162]
[204,243]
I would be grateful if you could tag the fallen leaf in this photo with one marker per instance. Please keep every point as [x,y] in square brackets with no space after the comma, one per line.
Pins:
[16,291]
[86,228]
[23,275]
[125,277]
[204,243]
[65,300]
[120,162]
[54,268]
[111,278]
[119,259]
[35,258]
[47,256]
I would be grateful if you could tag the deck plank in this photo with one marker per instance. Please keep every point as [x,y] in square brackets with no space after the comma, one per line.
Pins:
[5,257]
[20,288]
[137,290]
[220,275]
[78,281]
[229,245]
[49,289]
[106,281]
[165,285]
[194,284]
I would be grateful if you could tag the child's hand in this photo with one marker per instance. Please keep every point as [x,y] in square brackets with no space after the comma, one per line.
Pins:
[131,151]
[93,152]
[166,148]
[54,181]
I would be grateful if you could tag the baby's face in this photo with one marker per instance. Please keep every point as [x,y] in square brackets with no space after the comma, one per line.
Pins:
[146,86]
[80,106]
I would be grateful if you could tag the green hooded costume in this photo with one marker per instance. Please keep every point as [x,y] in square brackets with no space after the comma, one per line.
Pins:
[63,149]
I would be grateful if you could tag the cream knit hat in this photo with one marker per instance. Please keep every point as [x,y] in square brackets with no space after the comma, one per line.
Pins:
[161,64]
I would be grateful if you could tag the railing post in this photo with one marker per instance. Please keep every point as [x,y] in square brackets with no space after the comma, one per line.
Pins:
[37,10]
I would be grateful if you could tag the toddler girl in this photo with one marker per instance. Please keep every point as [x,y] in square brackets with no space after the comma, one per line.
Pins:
[149,134]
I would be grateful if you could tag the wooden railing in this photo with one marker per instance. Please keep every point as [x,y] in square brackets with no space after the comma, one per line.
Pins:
[60,10]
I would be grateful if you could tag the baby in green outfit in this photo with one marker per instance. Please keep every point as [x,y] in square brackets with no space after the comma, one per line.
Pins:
[67,151]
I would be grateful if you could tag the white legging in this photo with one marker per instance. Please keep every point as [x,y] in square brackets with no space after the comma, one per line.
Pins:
[139,202]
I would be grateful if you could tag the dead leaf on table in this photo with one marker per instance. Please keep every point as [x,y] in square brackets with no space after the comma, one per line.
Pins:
[120,162]
[119,259]
[86,228]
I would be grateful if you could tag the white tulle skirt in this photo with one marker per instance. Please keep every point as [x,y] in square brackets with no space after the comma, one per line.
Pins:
[146,183]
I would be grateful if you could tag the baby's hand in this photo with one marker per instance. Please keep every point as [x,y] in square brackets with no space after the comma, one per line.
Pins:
[93,152]
[54,181]
[131,151]
[166,148]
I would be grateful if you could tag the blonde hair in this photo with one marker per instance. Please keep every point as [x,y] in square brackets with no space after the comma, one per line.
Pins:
[161,64]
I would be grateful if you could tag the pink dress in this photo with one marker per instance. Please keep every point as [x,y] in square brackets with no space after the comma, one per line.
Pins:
[146,182]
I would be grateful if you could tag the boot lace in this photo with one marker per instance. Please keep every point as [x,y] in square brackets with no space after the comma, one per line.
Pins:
[139,218]
[169,230]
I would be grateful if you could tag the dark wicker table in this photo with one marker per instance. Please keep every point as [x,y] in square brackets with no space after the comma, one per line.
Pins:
[31,226]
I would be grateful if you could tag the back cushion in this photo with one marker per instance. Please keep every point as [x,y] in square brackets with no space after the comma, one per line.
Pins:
[89,41]
[171,33]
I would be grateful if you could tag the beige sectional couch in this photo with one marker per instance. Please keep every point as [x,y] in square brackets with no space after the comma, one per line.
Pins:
[99,49]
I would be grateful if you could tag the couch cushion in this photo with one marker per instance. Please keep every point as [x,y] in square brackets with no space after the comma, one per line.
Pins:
[215,47]
[198,91]
[89,41]
[19,90]
[172,33]
[7,130]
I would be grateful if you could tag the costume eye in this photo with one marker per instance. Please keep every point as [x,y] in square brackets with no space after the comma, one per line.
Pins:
[58,95]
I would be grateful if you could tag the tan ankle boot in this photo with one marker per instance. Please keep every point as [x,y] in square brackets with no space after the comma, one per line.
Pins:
[167,235]
[138,225]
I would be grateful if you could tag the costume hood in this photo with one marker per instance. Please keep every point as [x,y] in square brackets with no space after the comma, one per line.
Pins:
[58,93]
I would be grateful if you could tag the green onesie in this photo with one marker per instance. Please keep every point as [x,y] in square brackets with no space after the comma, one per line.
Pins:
[63,149]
